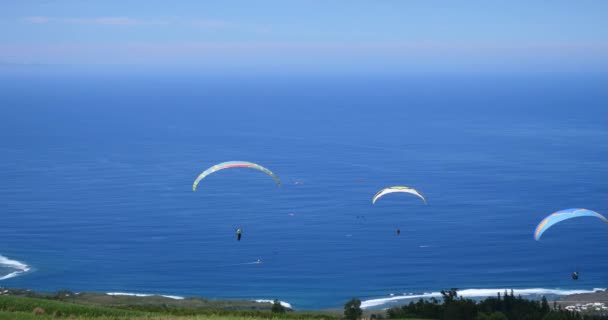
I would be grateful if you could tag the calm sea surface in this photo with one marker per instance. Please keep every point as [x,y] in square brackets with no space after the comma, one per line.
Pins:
[96,176]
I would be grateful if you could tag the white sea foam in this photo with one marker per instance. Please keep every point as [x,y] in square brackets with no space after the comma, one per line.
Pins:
[18,267]
[143,295]
[283,303]
[474,293]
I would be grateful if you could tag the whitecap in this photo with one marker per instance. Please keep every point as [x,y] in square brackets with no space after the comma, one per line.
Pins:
[477,293]
[18,267]
[283,303]
[142,295]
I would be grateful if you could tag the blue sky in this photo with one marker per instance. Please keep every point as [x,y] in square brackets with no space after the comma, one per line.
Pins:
[307,34]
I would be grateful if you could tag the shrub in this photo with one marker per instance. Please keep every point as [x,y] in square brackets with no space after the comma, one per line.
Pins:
[352,309]
[498,316]
[277,307]
[38,311]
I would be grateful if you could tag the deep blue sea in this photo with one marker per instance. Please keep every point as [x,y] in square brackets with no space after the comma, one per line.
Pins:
[97,170]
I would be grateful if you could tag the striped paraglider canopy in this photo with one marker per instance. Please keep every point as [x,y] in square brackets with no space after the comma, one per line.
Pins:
[233,164]
[394,189]
[562,215]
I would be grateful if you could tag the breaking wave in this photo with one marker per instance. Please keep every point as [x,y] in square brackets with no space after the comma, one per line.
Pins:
[473,293]
[142,295]
[14,267]
[283,303]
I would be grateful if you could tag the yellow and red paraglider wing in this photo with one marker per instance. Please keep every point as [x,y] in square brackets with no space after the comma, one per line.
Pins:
[233,164]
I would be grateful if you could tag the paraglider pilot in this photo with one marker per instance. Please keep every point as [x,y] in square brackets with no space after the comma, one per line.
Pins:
[575,275]
[239,232]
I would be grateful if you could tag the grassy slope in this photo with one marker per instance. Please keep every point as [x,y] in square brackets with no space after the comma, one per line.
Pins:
[22,308]
[29,316]
[189,303]
[23,304]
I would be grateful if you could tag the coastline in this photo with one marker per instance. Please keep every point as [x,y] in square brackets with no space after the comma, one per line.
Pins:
[597,301]
[598,296]
[531,293]
[562,298]
[118,299]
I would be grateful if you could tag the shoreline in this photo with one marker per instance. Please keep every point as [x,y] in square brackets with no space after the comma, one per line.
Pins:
[145,299]
[598,296]
[563,298]
[531,293]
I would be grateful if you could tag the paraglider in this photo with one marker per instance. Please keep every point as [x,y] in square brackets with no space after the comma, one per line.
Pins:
[562,215]
[394,189]
[233,164]
[575,275]
[397,189]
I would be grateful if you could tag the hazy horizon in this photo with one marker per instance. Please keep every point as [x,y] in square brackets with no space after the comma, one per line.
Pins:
[315,36]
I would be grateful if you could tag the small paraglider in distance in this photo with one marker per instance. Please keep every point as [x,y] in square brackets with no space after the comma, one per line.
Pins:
[401,189]
[298,182]
[575,275]
[234,164]
[239,233]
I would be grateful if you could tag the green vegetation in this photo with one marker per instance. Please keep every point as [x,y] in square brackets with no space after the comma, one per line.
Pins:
[30,316]
[151,303]
[352,309]
[49,307]
[277,307]
[28,305]
[502,307]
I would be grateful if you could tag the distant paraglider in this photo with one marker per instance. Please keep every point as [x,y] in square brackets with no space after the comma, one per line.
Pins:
[575,275]
[562,215]
[397,189]
[233,164]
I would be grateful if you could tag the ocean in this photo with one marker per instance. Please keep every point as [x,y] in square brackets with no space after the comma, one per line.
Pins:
[97,170]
